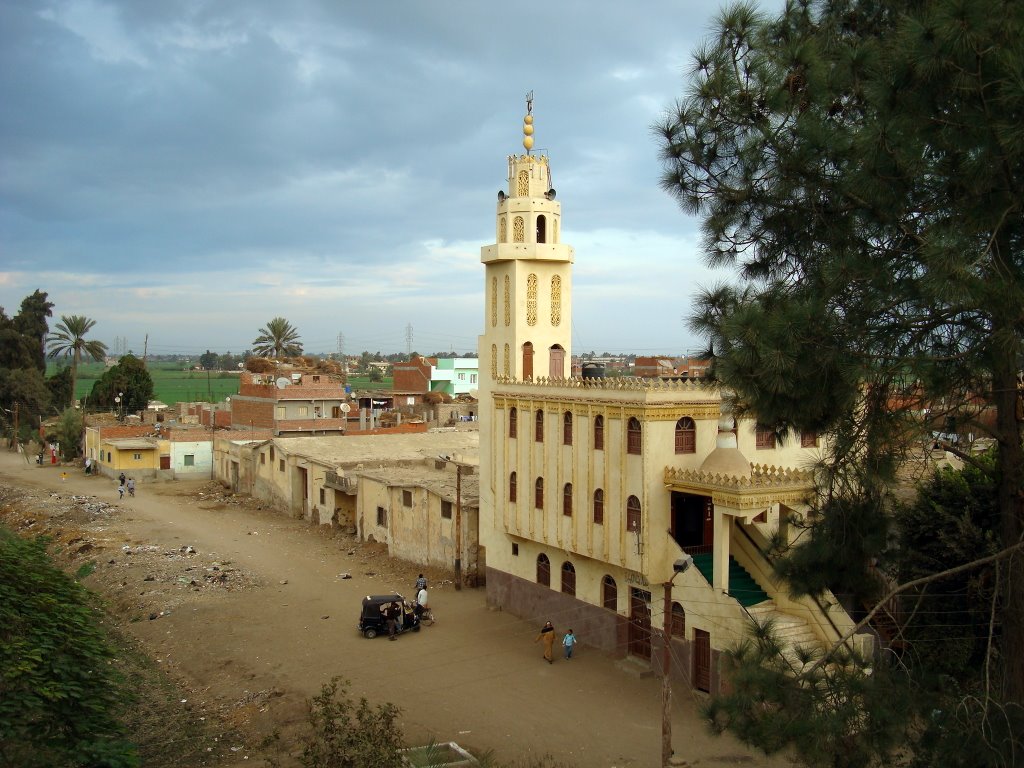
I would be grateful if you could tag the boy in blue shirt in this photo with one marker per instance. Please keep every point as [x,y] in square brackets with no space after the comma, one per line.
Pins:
[568,642]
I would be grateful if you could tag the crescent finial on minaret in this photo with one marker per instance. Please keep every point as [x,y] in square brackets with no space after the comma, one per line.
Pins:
[528,123]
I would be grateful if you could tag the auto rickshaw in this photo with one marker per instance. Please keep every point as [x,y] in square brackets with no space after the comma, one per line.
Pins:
[373,621]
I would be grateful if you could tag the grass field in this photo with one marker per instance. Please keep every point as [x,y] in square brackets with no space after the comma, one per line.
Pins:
[172,385]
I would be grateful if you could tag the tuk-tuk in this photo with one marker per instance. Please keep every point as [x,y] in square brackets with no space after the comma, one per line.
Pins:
[373,621]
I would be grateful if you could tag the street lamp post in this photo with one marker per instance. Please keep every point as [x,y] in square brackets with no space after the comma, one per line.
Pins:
[679,566]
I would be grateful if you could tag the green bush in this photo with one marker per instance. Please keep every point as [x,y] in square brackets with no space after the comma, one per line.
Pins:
[59,696]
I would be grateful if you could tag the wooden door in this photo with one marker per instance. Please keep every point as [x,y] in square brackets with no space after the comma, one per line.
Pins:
[640,623]
[709,523]
[165,462]
[701,660]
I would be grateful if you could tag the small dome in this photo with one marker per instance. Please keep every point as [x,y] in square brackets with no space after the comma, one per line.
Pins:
[726,461]
[528,119]
[528,129]
[528,142]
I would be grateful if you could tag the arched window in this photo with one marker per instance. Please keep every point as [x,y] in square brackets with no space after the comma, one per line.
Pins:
[567,500]
[686,435]
[538,426]
[598,507]
[633,435]
[678,620]
[609,594]
[556,362]
[527,361]
[512,483]
[568,578]
[513,422]
[543,570]
[599,433]
[567,428]
[542,229]
[538,493]
[633,514]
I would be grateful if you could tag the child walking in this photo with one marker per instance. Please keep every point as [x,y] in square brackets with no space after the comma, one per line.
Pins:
[568,642]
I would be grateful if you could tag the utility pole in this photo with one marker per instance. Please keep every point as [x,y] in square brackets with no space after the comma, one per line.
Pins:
[458,527]
[145,350]
[408,339]
[16,441]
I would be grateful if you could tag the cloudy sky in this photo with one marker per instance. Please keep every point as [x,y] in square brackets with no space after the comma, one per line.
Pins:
[189,169]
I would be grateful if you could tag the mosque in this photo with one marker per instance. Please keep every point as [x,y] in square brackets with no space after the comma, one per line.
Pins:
[621,507]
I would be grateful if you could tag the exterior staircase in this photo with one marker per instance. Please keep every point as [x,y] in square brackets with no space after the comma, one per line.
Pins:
[790,632]
[742,586]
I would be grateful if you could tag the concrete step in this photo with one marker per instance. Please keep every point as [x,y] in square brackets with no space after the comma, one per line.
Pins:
[635,667]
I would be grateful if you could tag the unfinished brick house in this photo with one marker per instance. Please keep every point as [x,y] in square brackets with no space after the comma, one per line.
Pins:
[293,402]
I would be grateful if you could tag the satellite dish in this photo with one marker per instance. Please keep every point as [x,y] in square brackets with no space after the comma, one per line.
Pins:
[345,407]
[474,393]
[283,382]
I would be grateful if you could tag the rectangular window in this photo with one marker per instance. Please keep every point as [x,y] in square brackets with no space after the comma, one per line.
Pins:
[280,465]
[382,516]
[472,378]
[323,496]
[280,412]
[446,510]
[263,458]
[515,550]
[136,456]
[765,439]
[462,377]
[190,460]
[808,439]
[406,498]
[303,411]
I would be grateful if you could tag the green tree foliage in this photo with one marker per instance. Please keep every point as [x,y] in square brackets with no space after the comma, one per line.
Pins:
[68,340]
[861,166]
[25,388]
[61,386]
[68,432]
[58,698]
[130,379]
[277,339]
[31,323]
[350,735]
[208,360]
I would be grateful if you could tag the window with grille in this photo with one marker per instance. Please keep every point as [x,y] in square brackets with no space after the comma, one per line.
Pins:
[538,426]
[808,439]
[599,433]
[609,594]
[406,498]
[567,500]
[446,510]
[512,482]
[633,436]
[513,422]
[678,620]
[686,435]
[568,578]
[567,428]
[633,514]
[543,570]
[764,438]
[538,493]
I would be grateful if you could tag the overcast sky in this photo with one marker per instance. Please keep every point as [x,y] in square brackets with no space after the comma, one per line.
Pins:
[190,169]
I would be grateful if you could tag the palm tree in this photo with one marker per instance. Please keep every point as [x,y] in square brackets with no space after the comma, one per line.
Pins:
[277,339]
[69,341]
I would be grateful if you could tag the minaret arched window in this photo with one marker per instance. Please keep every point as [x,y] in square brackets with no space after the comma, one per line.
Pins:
[678,620]
[543,570]
[633,514]
[502,230]
[686,435]
[518,230]
[513,422]
[567,428]
[542,229]
[494,361]
[538,426]
[633,435]
[568,578]
[538,493]
[599,433]
[527,361]
[556,362]
[512,485]
[567,500]
[598,507]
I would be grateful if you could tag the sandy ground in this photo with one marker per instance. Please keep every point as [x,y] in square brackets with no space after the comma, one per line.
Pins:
[248,609]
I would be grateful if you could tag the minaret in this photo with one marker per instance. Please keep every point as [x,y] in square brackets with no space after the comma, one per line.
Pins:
[528,276]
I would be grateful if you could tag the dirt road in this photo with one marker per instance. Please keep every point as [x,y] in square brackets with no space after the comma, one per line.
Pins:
[255,617]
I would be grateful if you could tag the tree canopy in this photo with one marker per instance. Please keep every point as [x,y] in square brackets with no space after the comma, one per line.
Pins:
[278,338]
[68,340]
[860,165]
[128,380]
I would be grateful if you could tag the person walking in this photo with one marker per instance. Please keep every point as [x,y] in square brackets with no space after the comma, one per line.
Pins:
[63,476]
[568,642]
[131,486]
[547,634]
[120,490]
[121,478]
[421,583]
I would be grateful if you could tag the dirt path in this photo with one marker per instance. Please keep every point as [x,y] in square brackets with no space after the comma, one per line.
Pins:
[256,617]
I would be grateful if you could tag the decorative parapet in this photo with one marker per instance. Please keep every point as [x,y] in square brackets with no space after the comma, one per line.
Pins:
[766,485]
[616,384]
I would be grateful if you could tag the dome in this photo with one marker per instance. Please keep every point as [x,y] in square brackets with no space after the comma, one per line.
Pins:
[726,461]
